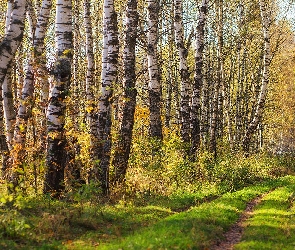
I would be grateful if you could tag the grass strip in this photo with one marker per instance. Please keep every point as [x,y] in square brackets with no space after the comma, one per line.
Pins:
[199,227]
[56,224]
[273,223]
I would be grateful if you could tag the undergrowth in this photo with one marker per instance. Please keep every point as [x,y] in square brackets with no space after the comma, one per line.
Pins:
[161,182]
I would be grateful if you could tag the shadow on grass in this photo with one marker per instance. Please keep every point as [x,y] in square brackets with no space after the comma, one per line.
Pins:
[198,228]
[64,226]
[273,223]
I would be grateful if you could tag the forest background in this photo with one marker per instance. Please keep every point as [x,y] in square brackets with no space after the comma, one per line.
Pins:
[108,101]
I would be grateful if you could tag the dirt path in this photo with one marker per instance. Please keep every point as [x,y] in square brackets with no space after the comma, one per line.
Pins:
[234,235]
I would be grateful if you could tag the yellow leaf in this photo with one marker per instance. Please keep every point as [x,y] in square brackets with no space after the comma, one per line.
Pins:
[89,109]
[21,128]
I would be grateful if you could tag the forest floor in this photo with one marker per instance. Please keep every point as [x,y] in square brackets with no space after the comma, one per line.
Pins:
[259,216]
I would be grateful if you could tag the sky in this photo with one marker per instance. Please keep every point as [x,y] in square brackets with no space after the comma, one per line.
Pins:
[288,11]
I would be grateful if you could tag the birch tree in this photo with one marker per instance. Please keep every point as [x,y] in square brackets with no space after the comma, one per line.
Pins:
[170,74]
[218,83]
[8,101]
[26,97]
[41,75]
[56,140]
[13,38]
[198,78]
[110,52]
[153,69]
[184,72]
[8,106]
[91,105]
[8,48]
[38,28]
[265,18]
[6,138]
[122,152]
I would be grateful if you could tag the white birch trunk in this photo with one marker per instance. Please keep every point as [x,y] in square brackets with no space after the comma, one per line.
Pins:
[8,105]
[8,48]
[122,153]
[217,84]
[265,17]
[109,74]
[38,29]
[183,69]
[91,105]
[3,143]
[56,141]
[20,128]
[153,69]
[198,79]
[40,73]
[13,38]
[5,135]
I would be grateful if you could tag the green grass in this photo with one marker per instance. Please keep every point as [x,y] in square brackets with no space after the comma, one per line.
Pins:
[181,221]
[42,223]
[197,228]
[53,226]
[273,223]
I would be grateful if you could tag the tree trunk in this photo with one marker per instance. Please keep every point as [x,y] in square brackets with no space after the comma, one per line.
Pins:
[220,71]
[4,149]
[8,48]
[102,149]
[198,79]
[13,38]
[37,35]
[170,79]
[265,17]
[184,72]
[217,83]
[153,69]
[24,111]
[121,156]
[41,75]
[90,84]
[26,99]
[56,140]
[8,105]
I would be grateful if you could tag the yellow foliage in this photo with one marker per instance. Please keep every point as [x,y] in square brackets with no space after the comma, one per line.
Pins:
[22,127]
[89,109]
[141,113]
[67,52]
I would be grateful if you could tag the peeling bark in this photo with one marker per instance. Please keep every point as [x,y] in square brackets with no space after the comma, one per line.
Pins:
[13,38]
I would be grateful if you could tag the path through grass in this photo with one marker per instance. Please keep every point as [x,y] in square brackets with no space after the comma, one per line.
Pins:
[198,228]
[273,223]
[58,225]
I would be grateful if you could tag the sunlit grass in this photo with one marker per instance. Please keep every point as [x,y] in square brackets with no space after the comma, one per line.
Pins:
[273,223]
[197,228]
[192,216]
